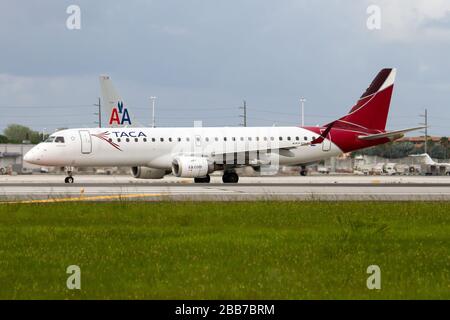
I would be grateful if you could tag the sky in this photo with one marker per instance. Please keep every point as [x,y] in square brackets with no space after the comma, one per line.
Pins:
[201,59]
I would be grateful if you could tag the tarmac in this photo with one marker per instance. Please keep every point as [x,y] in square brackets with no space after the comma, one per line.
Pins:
[51,188]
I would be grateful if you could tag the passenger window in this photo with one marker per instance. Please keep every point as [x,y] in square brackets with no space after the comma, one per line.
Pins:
[249,138]
[145,139]
[118,139]
[110,140]
[127,139]
[272,138]
[170,139]
[280,138]
[242,138]
[59,139]
[217,139]
[234,138]
[257,138]
[289,138]
[136,139]
[297,138]
[224,138]
[161,139]
[305,138]
[207,139]
[153,139]
[187,139]
[265,138]
[179,139]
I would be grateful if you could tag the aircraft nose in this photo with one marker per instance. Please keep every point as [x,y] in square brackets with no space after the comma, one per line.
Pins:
[28,157]
[31,156]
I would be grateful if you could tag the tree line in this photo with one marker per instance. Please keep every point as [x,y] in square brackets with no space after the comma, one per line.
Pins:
[16,133]
[394,150]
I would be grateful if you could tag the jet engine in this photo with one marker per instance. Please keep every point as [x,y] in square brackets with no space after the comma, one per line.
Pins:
[191,167]
[147,173]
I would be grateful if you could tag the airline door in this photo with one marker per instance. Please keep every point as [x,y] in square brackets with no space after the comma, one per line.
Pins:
[86,142]
[326,143]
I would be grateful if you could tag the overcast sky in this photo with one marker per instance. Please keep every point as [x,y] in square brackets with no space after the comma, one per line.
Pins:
[202,58]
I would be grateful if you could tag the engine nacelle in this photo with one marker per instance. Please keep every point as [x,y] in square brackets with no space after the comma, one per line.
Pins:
[147,173]
[191,167]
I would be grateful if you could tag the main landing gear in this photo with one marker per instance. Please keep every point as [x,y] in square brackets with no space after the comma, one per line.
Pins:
[69,178]
[206,179]
[230,177]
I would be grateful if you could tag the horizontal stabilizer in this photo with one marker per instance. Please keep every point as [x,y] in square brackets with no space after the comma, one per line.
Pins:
[396,134]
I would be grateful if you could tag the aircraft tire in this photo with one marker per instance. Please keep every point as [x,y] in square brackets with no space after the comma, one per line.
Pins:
[206,179]
[68,180]
[230,177]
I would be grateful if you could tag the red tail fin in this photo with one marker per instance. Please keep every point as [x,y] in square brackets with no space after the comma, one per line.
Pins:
[371,110]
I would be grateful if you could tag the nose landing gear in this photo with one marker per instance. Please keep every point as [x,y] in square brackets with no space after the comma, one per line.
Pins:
[303,171]
[69,178]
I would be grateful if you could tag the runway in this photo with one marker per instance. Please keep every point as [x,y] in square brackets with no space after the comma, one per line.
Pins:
[50,188]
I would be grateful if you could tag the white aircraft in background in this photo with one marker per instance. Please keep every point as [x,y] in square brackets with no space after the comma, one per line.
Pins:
[196,152]
[118,114]
[426,159]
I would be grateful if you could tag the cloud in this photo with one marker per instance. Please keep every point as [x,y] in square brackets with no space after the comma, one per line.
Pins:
[47,101]
[203,54]
[414,20]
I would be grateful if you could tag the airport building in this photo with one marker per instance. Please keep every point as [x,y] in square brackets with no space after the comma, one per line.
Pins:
[11,158]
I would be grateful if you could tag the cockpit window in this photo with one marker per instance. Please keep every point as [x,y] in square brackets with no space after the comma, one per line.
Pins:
[50,139]
[59,139]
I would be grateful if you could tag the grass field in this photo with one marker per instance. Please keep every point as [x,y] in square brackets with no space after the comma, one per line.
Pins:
[251,250]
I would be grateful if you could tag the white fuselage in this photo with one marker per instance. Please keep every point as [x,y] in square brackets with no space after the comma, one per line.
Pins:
[157,147]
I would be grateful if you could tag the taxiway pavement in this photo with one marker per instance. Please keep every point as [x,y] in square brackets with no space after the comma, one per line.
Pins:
[51,188]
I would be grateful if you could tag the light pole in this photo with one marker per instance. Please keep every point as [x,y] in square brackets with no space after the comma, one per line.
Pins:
[244,107]
[425,116]
[302,101]
[99,113]
[153,110]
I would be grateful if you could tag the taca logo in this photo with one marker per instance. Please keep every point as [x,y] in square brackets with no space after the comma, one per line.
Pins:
[117,113]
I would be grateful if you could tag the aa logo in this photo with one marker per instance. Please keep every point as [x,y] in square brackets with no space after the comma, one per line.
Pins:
[119,115]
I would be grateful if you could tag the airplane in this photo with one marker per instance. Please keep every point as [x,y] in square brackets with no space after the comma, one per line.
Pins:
[196,152]
[426,159]
[113,104]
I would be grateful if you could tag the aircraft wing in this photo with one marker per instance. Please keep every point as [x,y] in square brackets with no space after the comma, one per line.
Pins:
[395,134]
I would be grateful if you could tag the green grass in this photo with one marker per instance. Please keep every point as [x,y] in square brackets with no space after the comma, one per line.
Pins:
[236,250]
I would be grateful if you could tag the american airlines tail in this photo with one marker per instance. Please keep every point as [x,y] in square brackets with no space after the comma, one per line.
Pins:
[113,105]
